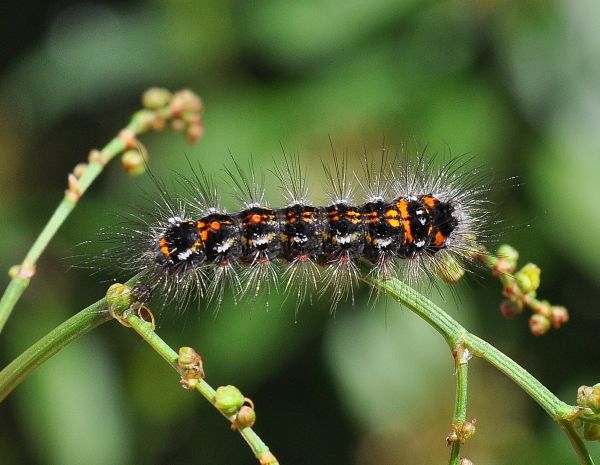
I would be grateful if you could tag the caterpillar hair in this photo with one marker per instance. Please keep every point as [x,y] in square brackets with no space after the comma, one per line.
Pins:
[415,216]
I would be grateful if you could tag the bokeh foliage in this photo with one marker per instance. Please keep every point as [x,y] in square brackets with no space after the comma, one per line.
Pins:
[513,83]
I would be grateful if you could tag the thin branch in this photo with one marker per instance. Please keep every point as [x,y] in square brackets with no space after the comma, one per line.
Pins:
[78,325]
[454,333]
[450,329]
[75,327]
[576,442]
[460,404]
[259,448]
[161,107]
[95,315]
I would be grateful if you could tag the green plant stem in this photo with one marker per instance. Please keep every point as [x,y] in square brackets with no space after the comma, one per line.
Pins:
[141,121]
[576,442]
[19,282]
[555,407]
[259,448]
[82,323]
[460,407]
[79,324]
[76,326]
[454,333]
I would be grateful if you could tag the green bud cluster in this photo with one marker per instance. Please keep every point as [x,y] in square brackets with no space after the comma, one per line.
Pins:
[528,278]
[520,289]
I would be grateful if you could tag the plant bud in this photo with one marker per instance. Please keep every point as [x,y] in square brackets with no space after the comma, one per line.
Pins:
[79,169]
[191,367]
[467,431]
[538,324]
[228,399]
[452,438]
[185,101]
[508,253]
[133,162]
[188,358]
[449,269]
[510,308]
[559,316]
[505,261]
[542,308]
[194,132]
[119,298]
[589,397]
[528,278]
[155,98]
[245,417]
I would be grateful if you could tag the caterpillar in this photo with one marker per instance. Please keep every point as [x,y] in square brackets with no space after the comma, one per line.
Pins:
[414,216]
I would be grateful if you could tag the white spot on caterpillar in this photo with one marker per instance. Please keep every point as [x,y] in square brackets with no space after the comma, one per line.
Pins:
[384,243]
[261,240]
[300,239]
[344,239]
[222,248]
[184,255]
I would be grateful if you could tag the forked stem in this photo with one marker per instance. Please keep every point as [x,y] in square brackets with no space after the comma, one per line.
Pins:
[454,334]
[93,316]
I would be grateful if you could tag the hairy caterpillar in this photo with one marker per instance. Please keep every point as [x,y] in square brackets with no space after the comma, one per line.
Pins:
[414,216]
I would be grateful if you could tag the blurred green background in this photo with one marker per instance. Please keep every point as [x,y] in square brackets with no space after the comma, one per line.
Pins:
[517,84]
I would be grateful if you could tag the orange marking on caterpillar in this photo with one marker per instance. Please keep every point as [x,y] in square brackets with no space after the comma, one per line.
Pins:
[403,207]
[439,239]
[390,217]
[430,200]
[353,216]
[164,248]
[203,231]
